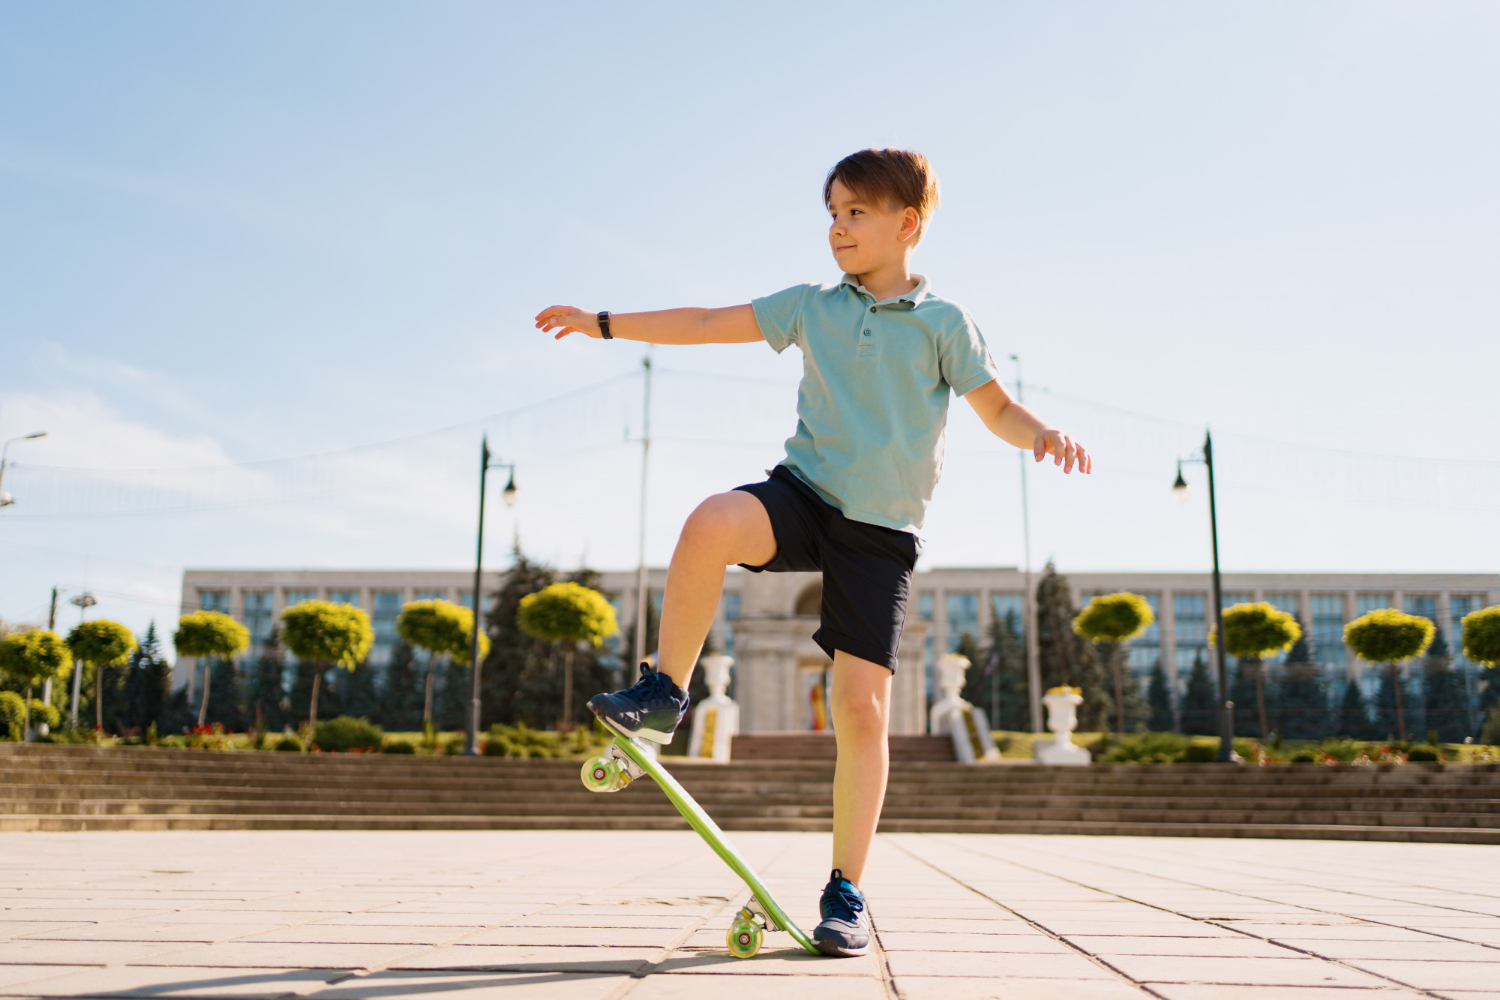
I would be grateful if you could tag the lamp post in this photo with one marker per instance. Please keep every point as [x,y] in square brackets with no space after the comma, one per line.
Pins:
[471,737]
[1180,493]
[82,602]
[1028,606]
[5,498]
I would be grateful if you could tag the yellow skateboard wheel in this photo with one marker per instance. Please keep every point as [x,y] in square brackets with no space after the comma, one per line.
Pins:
[600,774]
[744,938]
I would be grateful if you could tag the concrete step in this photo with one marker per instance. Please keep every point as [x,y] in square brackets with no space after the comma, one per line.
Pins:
[822,747]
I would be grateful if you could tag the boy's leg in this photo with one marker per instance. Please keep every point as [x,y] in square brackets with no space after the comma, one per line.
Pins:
[860,700]
[726,529]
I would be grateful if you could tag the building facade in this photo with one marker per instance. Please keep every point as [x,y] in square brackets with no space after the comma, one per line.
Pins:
[766,621]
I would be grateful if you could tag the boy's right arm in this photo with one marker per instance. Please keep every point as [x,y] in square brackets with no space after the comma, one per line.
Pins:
[732,325]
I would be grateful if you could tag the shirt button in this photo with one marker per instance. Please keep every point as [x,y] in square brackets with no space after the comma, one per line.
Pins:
[867,333]
[872,309]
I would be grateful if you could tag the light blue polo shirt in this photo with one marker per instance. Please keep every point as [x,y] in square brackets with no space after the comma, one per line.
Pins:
[873,403]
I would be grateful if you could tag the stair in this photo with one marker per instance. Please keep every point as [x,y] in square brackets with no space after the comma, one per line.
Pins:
[55,788]
[820,746]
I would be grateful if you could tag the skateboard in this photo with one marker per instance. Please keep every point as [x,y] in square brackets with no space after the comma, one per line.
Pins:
[624,761]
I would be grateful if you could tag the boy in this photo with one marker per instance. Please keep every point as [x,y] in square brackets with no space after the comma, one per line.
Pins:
[881,354]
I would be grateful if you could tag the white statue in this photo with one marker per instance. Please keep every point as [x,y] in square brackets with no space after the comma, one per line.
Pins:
[953,715]
[717,717]
[1062,718]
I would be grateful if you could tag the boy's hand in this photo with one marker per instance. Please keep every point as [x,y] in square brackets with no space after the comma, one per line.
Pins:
[566,320]
[1065,450]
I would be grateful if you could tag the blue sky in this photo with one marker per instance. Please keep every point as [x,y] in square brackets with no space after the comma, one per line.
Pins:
[241,232]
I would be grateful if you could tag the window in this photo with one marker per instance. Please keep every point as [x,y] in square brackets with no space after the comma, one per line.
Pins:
[214,600]
[1010,608]
[1190,630]
[1365,603]
[924,608]
[385,609]
[1230,598]
[1458,606]
[1145,649]
[963,616]
[295,597]
[432,595]
[1328,640]
[344,597]
[1423,606]
[258,616]
[1283,602]
[466,599]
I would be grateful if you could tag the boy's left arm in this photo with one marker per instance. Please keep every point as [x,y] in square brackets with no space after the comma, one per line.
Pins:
[1014,423]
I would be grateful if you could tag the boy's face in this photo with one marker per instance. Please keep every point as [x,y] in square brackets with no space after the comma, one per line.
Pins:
[868,235]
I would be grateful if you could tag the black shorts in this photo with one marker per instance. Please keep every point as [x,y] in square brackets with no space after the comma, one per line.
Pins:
[866,568]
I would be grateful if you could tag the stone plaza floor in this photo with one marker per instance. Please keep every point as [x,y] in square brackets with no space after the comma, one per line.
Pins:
[521,915]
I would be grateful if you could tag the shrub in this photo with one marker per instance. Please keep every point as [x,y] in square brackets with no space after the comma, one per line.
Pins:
[347,733]
[398,746]
[1161,748]
[1420,752]
[1305,757]
[1342,750]
[1490,734]
[1199,753]
[289,744]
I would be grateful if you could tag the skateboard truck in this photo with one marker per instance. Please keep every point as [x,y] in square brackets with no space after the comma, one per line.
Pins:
[611,772]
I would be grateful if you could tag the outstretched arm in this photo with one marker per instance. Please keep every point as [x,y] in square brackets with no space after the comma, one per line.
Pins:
[732,325]
[1012,422]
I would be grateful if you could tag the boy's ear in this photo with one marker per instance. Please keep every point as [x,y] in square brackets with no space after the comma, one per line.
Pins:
[911,224]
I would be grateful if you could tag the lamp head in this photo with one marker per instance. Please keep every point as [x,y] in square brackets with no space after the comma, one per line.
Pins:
[6,499]
[511,493]
[38,434]
[1180,488]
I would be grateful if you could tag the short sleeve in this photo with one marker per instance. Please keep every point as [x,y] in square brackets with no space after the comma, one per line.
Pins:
[780,316]
[963,357]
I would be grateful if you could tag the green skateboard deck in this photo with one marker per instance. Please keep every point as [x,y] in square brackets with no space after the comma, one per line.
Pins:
[744,935]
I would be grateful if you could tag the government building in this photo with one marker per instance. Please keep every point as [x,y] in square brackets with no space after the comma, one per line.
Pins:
[766,621]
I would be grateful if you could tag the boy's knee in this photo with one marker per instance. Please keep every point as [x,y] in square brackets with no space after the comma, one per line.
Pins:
[860,718]
[712,523]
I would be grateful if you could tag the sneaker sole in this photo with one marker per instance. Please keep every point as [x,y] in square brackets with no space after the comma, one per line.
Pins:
[653,735]
[835,950]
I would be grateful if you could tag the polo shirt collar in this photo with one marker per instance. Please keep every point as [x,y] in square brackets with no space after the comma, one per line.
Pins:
[910,300]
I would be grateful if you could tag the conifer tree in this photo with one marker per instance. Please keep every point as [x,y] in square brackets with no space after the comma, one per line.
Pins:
[266,706]
[1003,660]
[1067,658]
[1159,697]
[1200,703]
[594,667]
[1385,720]
[1443,694]
[224,696]
[1354,719]
[402,693]
[147,676]
[1242,693]
[519,684]
[1301,697]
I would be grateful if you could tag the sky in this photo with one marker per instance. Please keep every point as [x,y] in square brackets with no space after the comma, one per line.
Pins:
[267,272]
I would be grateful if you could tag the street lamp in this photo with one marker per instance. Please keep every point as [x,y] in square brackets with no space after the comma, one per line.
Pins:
[5,498]
[1226,707]
[82,602]
[510,494]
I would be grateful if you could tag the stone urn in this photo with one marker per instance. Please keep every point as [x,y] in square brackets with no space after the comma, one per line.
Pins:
[1062,718]
[717,718]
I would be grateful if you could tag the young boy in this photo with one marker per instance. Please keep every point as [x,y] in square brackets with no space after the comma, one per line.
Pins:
[881,353]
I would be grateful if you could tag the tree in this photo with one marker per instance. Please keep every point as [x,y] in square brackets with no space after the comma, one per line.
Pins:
[100,643]
[265,693]
[1354,720]
[1391,637]
[1003,672]
[403,690]
[31,658]
[570,614]
[147,677]
[1253,632]
[442,628]
[1115,619]
[1159,697]
[520,684]
[204,634]
[1443,696]
[1067,658]
[325,633]
[1302,701]
[1482,645]
[1200,702]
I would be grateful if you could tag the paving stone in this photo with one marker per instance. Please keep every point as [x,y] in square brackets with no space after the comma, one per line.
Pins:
[182,984]
[1069,965]
[688,987]
[416,934]
[781,962]
[645,937]
[15,975]
[1189,991]
[1238,971]
[1035,943]
[1437,975]
[1213,947]
[277,955]
[393,985]
[29,951]
[1430,950]
[532,958]
[137,930]
[968,988]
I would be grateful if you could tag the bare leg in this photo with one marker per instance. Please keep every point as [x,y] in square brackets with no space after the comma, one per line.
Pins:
[861,702]
[728,528]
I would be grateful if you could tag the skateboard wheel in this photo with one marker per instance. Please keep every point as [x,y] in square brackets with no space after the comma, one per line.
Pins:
[744,938]
[599,774]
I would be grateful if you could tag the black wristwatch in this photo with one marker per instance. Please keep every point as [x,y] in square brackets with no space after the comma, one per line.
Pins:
[604,326]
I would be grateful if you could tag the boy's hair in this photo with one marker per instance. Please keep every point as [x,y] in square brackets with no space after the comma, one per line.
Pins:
[900,177]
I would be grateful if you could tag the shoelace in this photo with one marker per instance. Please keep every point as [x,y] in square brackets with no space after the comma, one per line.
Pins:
[851,900]
[648,683]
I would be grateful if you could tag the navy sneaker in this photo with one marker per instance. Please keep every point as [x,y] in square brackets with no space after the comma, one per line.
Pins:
[845,930]
[650,710]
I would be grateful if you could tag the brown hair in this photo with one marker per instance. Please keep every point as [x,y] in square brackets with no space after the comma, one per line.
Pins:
[901,177]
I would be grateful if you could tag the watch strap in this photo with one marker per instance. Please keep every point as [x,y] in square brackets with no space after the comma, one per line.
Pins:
[604,326]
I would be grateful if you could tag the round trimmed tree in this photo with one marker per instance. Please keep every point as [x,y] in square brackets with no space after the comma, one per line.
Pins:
[567,613]
[1115,619]
[324,634]
[442,628]
[204,634]
[1482,636]
[1391,637]
[1251,633]
[32,658]
[101,643]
